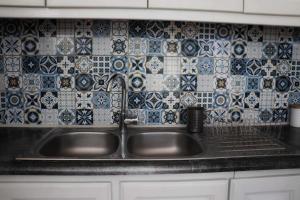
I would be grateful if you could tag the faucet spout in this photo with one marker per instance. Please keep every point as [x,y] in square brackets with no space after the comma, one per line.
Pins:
[123,80]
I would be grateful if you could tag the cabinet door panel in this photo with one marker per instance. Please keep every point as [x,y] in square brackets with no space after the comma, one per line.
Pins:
[98,3]
[55,191]
[276,7]
[29,3]
[177,190]
[267,188]
[212,5]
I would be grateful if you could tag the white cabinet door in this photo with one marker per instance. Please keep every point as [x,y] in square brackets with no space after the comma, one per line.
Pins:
[210,5]
[266,188]
[97,3]
[177,190]
[29,3]
[276,7]
[55,191]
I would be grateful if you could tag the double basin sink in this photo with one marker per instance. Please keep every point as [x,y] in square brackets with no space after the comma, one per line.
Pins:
[108,145]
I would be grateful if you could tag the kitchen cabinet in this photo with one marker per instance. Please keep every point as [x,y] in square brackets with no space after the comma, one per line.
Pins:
[97,3]
[275,7]
[27,3]
[210,5]
[183,190]
[262,188]
[55,191]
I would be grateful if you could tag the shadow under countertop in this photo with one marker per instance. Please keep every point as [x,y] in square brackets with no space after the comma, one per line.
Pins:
[20,141]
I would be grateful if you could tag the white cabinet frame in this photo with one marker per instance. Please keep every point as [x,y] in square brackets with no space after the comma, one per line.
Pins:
[209,5]
[275,7]
[97,3]
[26,3]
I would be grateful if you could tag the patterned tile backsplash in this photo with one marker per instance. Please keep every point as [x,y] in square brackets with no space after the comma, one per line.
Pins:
[55,72]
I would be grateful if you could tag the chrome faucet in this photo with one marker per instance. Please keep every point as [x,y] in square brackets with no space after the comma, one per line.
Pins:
[124,118]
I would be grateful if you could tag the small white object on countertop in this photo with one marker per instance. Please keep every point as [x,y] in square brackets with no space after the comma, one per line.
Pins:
[295,115]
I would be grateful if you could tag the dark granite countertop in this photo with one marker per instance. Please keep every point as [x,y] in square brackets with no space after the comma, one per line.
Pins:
[18,142]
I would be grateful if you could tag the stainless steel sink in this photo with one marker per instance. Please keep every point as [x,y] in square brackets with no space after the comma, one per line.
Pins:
[80,145]
[162,145]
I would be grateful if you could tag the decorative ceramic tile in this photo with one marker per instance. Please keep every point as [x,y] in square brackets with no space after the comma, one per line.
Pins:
[285,51]
[206,66]
[190,30]
[189,65]
[120,28]
[188,99]
[101,100]
[207,31]
[119,46]
[154,65]
[101,46]
[49,117]
[137,29]
[66,100]
[190,48]
[84,82]
[48,64]
[66,83]
[11,46]
[30,45]
[12,64]
[269,50]
[32,99]
[47,28]
[138,46]
[84,117]
[240,32]
[204,83]
[66,65]
[154,82]
[171,100]
[84,100]
[170,117]
[205,99]
[83,46]
[154,100]
[222,48]
[66,116]
[254,50]
[83,28]
[153,117]
[64,46]
[65,28]
[16,116]
[101,28]
[155,29]
[171,82]
[188,82]
[239,49]
[102,117]
[172,65]
[286,34]
[171,47]
[32,116]
[31,64]
[49,100]
[255,33]
[47,45]
[296,51]
[55,71]
[136,100]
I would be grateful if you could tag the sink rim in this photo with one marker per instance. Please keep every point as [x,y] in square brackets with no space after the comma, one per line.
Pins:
[56,133]
[140,157]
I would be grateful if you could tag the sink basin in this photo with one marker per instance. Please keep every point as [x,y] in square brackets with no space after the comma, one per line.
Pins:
[80,145]
[162,145]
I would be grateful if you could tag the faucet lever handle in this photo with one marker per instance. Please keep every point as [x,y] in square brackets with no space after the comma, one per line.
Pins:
[131,119]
